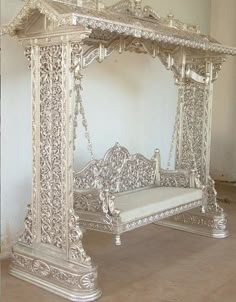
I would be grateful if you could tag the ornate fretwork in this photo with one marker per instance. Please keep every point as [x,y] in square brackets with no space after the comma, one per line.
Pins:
[174,179]
[52,145]
[196,69]
[87,201]
[90,4]
[96,185]
[28,55]
[98,53]
[50,251]
[162,215]
[121,7]
[137,172]
[118,172]
[192,139]
[177,132]
[76,250]
[136,22]
[125,7]
[108,205]
[52,273]
[27,236]
[101,47]
[193,143]
[76,55]
[210,224]
[96,201]
[212,204]
[104,227]
[35,74]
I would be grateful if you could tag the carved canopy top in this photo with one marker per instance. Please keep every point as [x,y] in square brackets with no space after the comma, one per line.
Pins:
[124,18]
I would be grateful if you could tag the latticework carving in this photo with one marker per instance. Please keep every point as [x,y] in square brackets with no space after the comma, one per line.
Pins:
[192,138]
[50,272]
[51,147]
[117,172]
[173,179]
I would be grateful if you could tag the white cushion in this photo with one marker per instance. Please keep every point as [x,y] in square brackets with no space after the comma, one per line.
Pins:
[142,203]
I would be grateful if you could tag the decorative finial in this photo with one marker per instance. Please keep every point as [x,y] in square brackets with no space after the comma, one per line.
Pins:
[138,8]
[137,3]
[100,5]
[170,17]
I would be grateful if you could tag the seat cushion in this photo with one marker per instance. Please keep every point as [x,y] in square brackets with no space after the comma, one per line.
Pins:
[138,204]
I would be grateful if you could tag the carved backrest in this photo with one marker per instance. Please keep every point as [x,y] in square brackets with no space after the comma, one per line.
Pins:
[118,171]
[180,179]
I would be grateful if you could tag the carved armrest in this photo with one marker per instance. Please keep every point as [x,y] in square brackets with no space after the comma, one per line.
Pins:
[180,178]
[108,204]
[93,200]
[87,200]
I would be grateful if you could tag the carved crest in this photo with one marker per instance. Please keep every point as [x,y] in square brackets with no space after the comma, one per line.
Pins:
[118,171]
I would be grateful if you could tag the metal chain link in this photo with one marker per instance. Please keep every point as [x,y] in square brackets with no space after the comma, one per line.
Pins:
[173,140]
[174,134]
[79,109]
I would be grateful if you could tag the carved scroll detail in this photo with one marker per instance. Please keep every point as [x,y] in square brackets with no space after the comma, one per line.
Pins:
[27,236]
[50,272]
[52,145]
[123,6]
[174,179]
[117,172]
[212,204]
[216,223]
[28,55]
[76,250]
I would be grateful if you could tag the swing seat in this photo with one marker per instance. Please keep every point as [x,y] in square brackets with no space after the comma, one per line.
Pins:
[122,192]
[144,203]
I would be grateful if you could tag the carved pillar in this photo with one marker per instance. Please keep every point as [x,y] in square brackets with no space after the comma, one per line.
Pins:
[193,148]
[190,143]
[50,252]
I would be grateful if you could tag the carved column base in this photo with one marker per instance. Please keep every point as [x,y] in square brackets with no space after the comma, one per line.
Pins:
[194,221]
[74,282]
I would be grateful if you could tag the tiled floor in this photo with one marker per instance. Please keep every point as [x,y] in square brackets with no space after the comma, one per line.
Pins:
[155,264]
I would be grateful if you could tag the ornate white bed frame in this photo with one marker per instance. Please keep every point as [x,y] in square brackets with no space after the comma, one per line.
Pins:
[61,38]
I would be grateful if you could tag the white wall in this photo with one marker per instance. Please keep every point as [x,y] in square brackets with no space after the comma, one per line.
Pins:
[223,163]
[15,130]
[130,99]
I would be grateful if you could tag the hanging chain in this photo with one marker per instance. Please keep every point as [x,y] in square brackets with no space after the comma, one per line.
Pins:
[173,140]
[79,109]
[174,134]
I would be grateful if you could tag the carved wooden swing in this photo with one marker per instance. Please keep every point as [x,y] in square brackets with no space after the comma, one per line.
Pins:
[121,191]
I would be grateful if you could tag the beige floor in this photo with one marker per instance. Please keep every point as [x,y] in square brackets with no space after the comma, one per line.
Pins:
[154,264]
